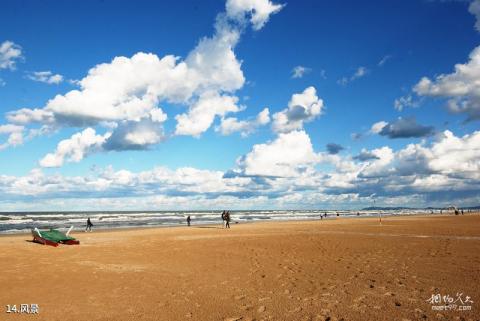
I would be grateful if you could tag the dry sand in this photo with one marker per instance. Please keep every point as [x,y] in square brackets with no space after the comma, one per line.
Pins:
[350,269]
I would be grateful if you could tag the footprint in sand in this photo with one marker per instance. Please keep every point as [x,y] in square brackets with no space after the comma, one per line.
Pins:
[246,307]
[296,310]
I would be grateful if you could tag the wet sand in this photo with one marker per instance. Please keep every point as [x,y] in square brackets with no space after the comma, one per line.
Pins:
[350,269]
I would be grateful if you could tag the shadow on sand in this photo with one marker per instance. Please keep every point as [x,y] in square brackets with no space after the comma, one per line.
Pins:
[221,228]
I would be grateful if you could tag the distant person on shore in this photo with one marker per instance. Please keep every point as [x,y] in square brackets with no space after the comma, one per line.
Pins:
[224,213]
[461,211]
[89,225]
[188,220]
[227,220]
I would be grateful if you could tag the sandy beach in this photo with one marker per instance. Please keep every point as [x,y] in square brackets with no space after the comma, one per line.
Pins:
[339,269]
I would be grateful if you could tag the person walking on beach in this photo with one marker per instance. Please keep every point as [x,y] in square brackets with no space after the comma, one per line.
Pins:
[89,225]
[224,218]
[227,220]
[188,220]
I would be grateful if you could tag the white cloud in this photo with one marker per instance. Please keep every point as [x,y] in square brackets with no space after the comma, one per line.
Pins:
[231,125]
[201,115]
[15,135]
[259,11]
[46,77]
[75,148]
[127,90]
[302,107]
[405,101]
[461,88]
[455,156]
[288,155]
[359,73]
[285,172]
[384,60]
[300,71]
[25,116]
[10,53]
[377,127]
[136,135]
[474,9]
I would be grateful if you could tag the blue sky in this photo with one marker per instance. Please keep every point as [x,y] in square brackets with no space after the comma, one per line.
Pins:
[213,104]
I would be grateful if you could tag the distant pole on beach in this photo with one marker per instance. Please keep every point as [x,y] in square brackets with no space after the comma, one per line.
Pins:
[379,212]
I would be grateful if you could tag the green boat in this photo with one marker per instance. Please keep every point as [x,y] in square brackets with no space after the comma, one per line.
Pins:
[53,237]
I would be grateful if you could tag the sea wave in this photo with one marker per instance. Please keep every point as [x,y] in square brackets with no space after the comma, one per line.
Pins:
[18,222]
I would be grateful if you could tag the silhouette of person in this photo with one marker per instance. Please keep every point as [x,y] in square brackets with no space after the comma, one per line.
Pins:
[224,213]
[227,220]
[89,225]
[188,220]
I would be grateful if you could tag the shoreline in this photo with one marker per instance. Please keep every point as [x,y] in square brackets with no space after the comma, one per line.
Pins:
[236,223]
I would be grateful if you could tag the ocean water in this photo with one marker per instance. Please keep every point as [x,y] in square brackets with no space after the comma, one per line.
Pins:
[20,222]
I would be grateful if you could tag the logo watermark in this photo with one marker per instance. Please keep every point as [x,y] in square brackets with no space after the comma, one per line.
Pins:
[23,308]
[460,302]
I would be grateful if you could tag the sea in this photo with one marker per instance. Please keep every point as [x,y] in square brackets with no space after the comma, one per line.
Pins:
[21,222]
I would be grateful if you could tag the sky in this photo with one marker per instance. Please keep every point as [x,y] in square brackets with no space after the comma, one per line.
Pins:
[239,104]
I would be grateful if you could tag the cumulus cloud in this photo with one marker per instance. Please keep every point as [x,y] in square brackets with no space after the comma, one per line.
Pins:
[474,9]
[461,88]
[300,71]
[135,135]
[427,169]
[231,125]
[10,54]
[402,128]
[75,148]
[15,135]
[377,127]
[334,149]
[288,155]
[258,10]
[202,114]
[405,101]
[359,73]
[47,77]
[279,174]
[125,91]
[449,155]
[302,107]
